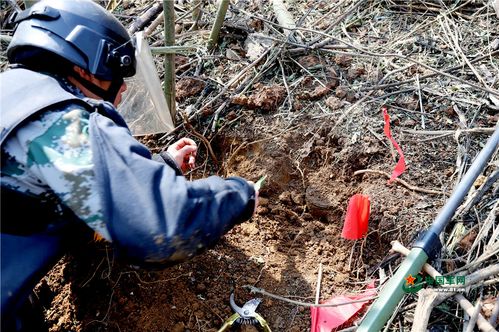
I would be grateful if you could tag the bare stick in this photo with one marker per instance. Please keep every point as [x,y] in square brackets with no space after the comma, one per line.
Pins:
[196,13]
[169,65]
[215,31]
[420,102]
[451,69]
[471,279]
[444,133]
[303,304]
[495,313]
[318,286]
[474,317]
[284,17]
[157,21]
[427,300]
[285,81]
[404,57]
[478,194]
[145,18]
[402,182]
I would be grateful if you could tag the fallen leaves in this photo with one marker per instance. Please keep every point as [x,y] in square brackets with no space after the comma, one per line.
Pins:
[266,98]
[188,87]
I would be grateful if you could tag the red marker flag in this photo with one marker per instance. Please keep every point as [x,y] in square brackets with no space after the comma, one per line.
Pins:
[400,167]
[357,218]
[327,319]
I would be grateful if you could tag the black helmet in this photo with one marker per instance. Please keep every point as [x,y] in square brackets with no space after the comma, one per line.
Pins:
[80,32]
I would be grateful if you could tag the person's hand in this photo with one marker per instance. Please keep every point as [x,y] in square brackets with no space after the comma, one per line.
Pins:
[183,152]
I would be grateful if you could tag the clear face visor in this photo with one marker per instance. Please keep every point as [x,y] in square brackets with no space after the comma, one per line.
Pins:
[144,106]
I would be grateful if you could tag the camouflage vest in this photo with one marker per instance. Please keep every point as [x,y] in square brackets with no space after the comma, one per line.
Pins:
[28,247]
[16,85]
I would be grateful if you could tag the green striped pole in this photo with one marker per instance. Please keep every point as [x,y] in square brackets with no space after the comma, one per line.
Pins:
[392,293]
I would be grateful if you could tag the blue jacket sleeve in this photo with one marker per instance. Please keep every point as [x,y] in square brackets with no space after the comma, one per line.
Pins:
[153,215]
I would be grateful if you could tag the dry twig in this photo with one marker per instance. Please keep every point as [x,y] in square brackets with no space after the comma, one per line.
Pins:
[471,279]
[402,182]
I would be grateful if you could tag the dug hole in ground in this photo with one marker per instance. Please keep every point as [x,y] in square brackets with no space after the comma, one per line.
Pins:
[309,120]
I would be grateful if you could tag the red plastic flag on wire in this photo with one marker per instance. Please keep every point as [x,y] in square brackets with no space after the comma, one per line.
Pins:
[357,218]
[400,167]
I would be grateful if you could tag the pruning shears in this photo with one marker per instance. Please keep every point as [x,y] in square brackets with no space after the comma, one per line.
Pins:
[246,315]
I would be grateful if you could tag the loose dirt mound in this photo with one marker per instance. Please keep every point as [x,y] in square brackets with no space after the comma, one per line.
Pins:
[308,116]
[310,178]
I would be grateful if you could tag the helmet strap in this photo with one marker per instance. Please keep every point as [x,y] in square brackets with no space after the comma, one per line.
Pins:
[108,95]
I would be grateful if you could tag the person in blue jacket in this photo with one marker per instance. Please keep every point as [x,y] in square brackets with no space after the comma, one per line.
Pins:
[68,158]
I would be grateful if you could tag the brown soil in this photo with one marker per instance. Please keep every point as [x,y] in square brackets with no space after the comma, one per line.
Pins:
[310,179]
[305,135]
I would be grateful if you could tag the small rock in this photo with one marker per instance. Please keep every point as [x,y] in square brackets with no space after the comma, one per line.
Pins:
[298,199]
[231,116]
[495,44]
[262,210]
[262,201]
[307,216]
[255,24]
[231,55]
[341,92]
[343,60]
[251,281]
[409,123]
[333,103]
[317,204]
[309,61]
[188,87]
[285,197]
[351,97]
[201,287]
[355,72]
[179,327]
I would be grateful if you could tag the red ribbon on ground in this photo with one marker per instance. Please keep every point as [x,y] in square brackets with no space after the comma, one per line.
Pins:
[400,167]
[357,218]
[326,319]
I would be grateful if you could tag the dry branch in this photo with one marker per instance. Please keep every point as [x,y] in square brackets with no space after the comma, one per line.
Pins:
[411,80]
[478,194]
[145,18]
[471,279]
[303,304]
[403,57]
[427,300]
[284,17]
[444,133]
[474,317]
[169,65]
[215,31]
[316,43]
[402,182]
